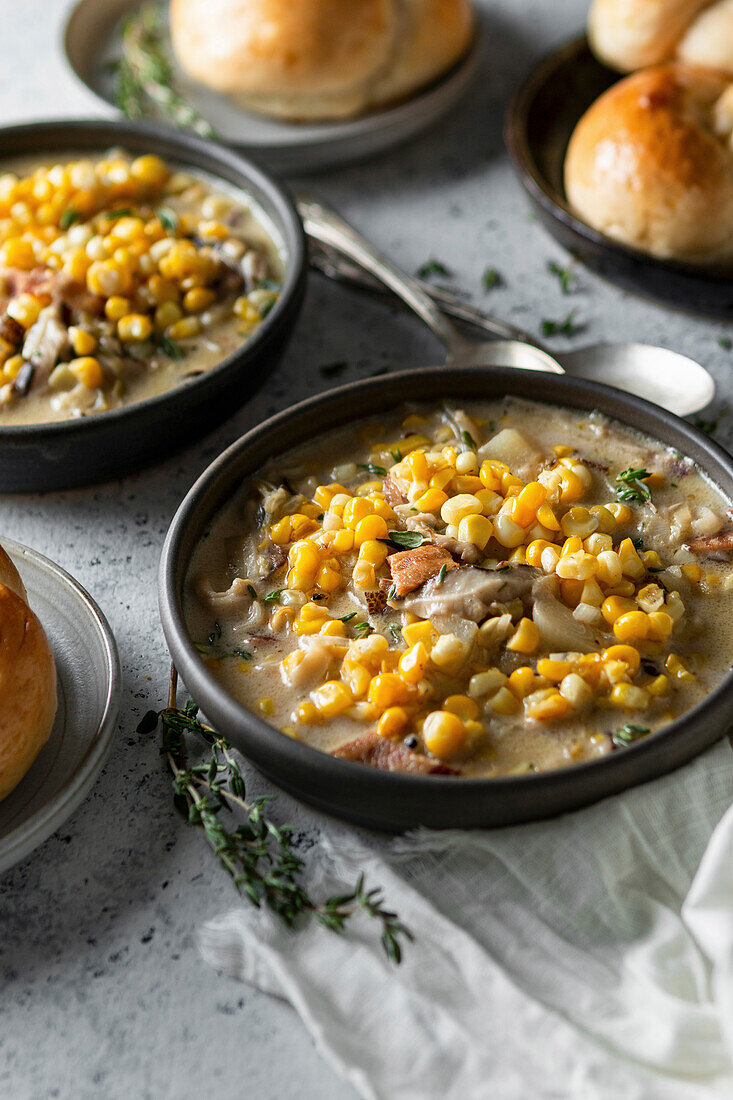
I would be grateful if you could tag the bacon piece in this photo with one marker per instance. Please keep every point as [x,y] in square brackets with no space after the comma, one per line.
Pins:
[57,285]
[718,546]
[392,494]
[411,568]
[391,756]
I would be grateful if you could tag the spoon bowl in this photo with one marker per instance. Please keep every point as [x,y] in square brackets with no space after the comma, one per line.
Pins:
[665,377]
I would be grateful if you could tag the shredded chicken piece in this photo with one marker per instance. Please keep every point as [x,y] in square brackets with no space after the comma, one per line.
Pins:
[469,593]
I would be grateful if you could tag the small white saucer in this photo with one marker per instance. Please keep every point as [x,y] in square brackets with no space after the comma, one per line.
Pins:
[89,697]
[91,41]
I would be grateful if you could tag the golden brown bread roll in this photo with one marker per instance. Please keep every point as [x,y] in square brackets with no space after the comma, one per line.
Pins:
[651,164]
[318,59]
[631,34]
[27,681]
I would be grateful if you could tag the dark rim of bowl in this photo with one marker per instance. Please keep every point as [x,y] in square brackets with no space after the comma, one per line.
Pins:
[192,668]
[540,189]
[188,150]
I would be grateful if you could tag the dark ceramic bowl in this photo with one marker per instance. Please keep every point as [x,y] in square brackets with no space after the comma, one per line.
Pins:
[539,124]
[37,457]
[387,800]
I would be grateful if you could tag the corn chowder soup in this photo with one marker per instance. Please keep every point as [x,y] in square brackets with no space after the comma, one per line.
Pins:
[499,589]
[119,278]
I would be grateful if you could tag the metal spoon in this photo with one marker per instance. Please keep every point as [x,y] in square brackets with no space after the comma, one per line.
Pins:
[666,377]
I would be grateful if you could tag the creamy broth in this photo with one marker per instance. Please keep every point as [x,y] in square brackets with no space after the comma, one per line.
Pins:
[120,278]
[549,588]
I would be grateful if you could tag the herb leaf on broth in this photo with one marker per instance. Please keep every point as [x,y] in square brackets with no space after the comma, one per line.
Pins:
[629,733]
[631,486]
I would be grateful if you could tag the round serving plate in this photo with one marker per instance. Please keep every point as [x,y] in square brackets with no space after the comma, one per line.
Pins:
[389,800]
[88,681]
[68,453]
[539,123]
[92,43]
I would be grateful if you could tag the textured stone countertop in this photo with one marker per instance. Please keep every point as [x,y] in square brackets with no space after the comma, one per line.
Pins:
[102,991]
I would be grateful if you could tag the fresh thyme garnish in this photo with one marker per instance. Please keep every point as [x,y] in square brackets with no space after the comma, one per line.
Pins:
[170,347]
[564,327]
[441,573]
[491,278]
[318,596]
[404,540]
[68,218]
[215,633]
[362,630]
[631,486]
[144,77]
[372,468]
[396,455]
[122,212]
[638,542]
[627,734]
[167,218]
[468,439]
[433,267]
[392,593]
[725,342]
[330,370]
[396,633]
[258,854]
[564,274]
[243,653]
[252,591]
[349,617]
[274,596]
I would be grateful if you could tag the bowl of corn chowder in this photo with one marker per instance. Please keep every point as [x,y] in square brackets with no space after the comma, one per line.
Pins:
[148,282]
[474,609]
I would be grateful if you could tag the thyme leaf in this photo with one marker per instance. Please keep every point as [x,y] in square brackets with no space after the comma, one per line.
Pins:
[491,278]
[167,218]
[258,854]
[362,630]
[628,734]
[441,573]
[433,267]
[372,468]
[631,487]
[565,327]
[68,218]
[171,348]
[274,596]
[564,275]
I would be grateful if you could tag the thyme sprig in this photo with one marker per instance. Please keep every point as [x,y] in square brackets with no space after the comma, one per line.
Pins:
[632,487]
[144,78]
[258,855]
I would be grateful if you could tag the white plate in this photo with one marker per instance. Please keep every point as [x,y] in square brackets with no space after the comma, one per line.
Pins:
[89,697]
[92,42]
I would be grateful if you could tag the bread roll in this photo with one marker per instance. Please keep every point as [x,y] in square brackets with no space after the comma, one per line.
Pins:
[27,681]
[632,34]
[318,59]
[651,164]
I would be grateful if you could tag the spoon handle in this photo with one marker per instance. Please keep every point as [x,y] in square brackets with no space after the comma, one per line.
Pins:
[324,225]
[334,265]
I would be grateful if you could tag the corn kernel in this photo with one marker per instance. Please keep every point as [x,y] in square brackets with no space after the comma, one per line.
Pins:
[576,691]
[465,708]
[266,705]
[392,722]
[413,663]
[621,513]
[526,638]
[368,529]
[88,371]
[134,328]
[449,652]
[632,627]
[475,529]
[692,572]
[24,309]
[615,606]
[310,619]
[660,626]
[629,697]
[677,669]
[508,533]
[419,632]
[387,689]
[331,698]
[150,171]
[185,329]
[522,681]
[626,653]
[486,683]
[551,706]
[431,500]
[444,733]
[307,714]
[458,507]
[504,702]
[554,670]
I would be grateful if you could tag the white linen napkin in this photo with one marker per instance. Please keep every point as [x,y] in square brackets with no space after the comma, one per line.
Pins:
[585,958]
